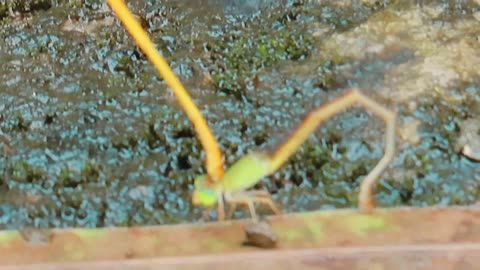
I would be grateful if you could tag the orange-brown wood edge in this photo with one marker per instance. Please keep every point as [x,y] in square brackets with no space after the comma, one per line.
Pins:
[421,238]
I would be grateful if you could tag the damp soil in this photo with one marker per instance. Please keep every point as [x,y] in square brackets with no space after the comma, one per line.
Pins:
[91,136]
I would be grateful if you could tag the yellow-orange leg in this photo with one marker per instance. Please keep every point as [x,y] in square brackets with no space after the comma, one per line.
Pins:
[220,207]
[366,201]
[214,157]
[248,198]
[324,112]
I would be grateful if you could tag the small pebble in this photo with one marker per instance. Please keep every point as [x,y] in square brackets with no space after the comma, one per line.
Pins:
[470,138]
[260,234]
[36,236]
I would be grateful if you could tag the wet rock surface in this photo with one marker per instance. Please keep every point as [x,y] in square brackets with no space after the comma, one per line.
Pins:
[469,140]
[91,136]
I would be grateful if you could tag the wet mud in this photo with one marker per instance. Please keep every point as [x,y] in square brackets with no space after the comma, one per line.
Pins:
[91,136]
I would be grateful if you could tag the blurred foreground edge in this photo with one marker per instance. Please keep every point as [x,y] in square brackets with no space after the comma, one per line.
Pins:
[395,238]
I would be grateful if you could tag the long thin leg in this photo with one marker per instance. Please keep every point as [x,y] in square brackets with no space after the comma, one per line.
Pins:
[366,202]
[251,208]
[248,198]
[252,195]
[229,198]
[214,159]
[317,116]
[231,210]
[220,207]
[263,196]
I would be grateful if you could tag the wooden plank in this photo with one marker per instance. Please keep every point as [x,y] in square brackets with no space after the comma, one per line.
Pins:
[425,257]
[440,237]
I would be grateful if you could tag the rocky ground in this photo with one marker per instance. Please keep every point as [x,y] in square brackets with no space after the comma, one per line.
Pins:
[91,136]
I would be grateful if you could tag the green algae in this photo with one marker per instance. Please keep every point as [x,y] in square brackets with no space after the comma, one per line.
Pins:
[363,225]
[8,236]
[89,233]
[94,102]
[290,235]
